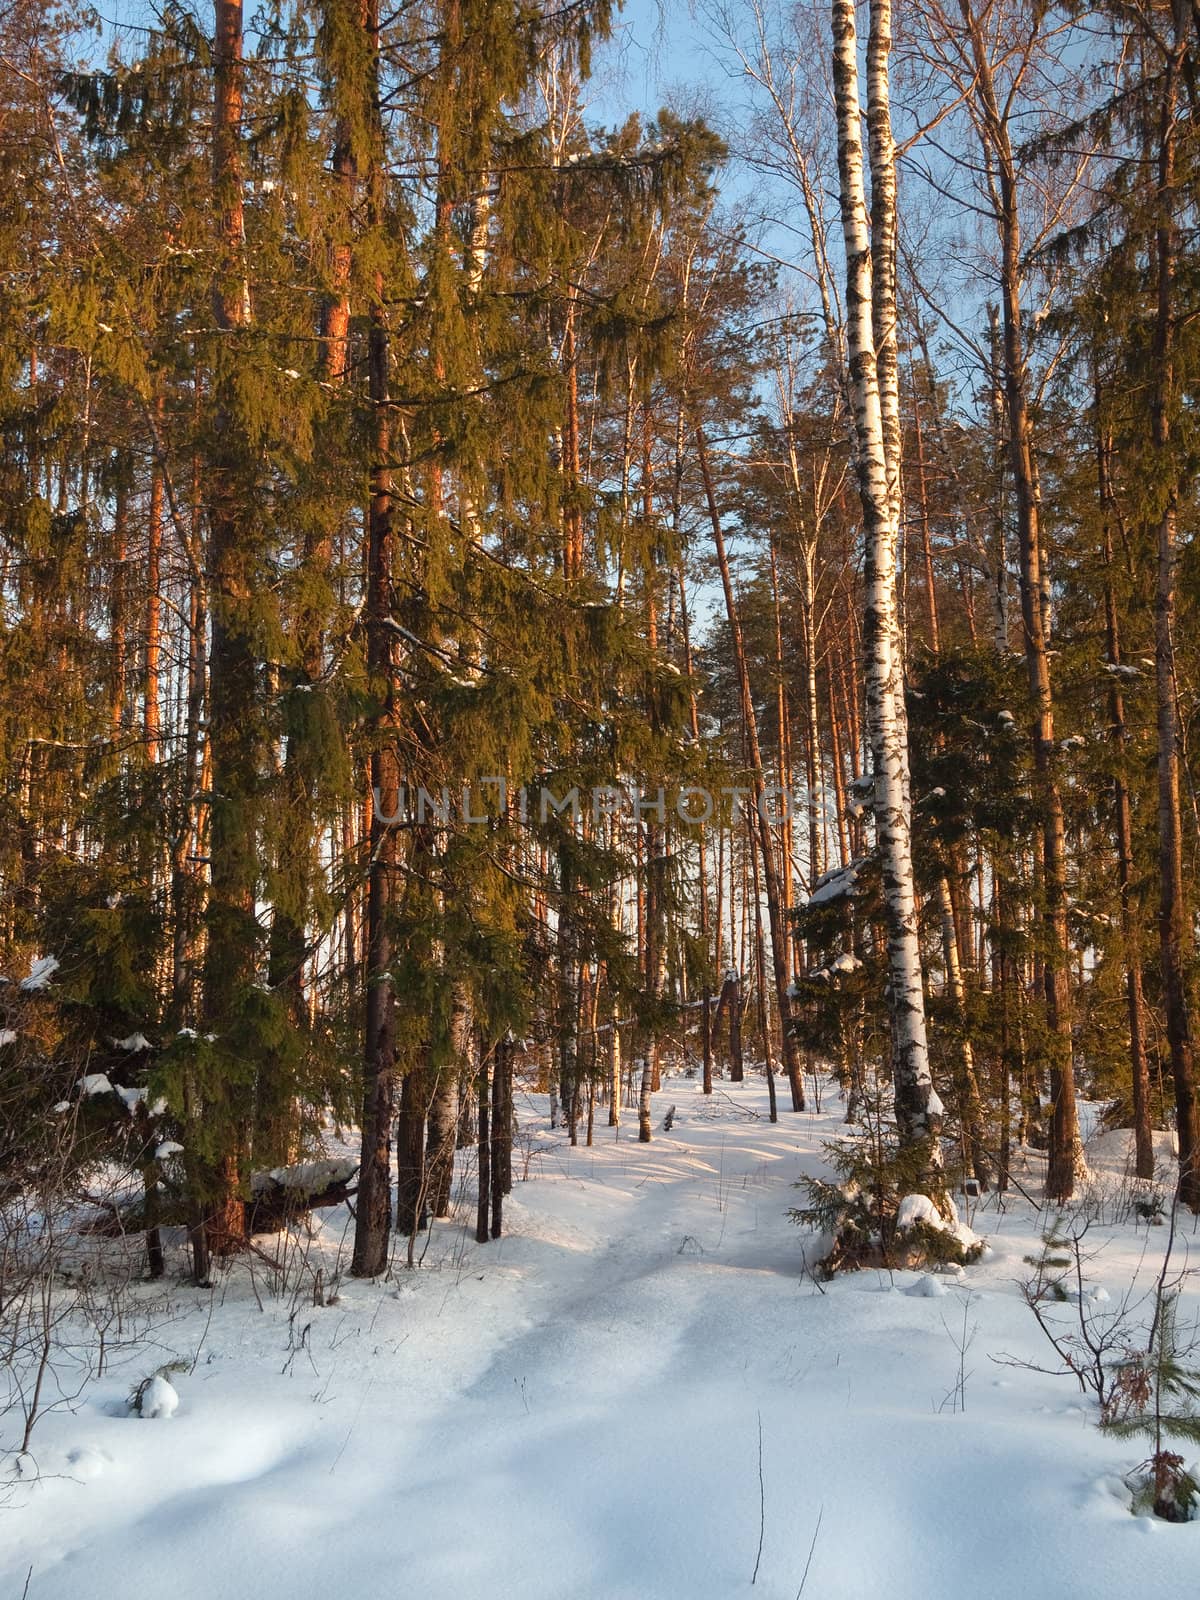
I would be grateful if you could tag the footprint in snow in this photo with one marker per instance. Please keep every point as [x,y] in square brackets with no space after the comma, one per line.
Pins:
[85,1463]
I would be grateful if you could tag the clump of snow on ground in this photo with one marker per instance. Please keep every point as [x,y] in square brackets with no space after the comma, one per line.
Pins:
[156,1398]
[928,1287]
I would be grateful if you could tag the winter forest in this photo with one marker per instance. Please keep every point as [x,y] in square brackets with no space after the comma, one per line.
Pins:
[599,742]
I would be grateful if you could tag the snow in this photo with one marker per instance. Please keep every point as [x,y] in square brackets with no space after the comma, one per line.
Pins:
[7,1036]
[85,1464]
[306,1177]
[40,972]
[134,1043]
[167,1148]
[93,1083]
[132,1098]
[833,885]
[928,1287]
[159,1399]
[916,1208]
[842,965]
[574,1410]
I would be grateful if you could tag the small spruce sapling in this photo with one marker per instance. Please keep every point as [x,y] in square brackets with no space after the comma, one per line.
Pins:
[1156,1396]
[860,1211]
[155,1395]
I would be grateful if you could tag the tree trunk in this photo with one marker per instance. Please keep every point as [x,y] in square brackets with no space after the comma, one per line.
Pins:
[917,1108]
[779,942]
[501,1133]
[647,1087]
[1175,919]
[416,1093]
[971,1103]
[760,961]
[118,605]
[374,1211]
[153,645]
[1143,1141]
[614,1070]
[275,1135]
[702,854]
[444,1110]
[1065,1161]
[483,1205]
[232,743]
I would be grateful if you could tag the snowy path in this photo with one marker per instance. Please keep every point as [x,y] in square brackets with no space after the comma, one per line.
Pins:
[573,1414]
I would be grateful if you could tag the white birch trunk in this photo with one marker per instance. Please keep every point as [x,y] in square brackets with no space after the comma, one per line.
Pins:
[882,157]
[644,1098]
[884,233]
[916,1104]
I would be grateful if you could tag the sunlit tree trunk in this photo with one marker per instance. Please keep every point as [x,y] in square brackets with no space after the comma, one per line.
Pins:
[232,743]
[1065,1162]
[1175,917]
[1130,921]
[374,1208]
[775,915]
[917,1107]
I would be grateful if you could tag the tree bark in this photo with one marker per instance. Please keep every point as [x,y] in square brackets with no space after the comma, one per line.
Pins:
[501,1133]
[1143,1140]
[1175,919]
[775,919]
[232,744]
[1065,1161]
[374,1211]
[917,1108]
[444,1110]
[483,1205]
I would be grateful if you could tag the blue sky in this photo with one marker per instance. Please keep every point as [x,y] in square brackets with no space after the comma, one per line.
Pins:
[657,45]
[658,49]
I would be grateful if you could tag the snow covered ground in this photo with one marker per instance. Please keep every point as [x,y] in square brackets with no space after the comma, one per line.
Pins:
[575,1411]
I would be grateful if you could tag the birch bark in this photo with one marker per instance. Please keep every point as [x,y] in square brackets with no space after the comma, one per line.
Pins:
[917,1107]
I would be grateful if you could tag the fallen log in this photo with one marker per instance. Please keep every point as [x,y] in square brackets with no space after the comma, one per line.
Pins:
[277,1198]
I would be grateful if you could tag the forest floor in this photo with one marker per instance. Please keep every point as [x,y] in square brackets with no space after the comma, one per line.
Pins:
[617,1401]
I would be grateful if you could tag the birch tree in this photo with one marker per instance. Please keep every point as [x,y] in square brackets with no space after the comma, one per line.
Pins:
[917,1106]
